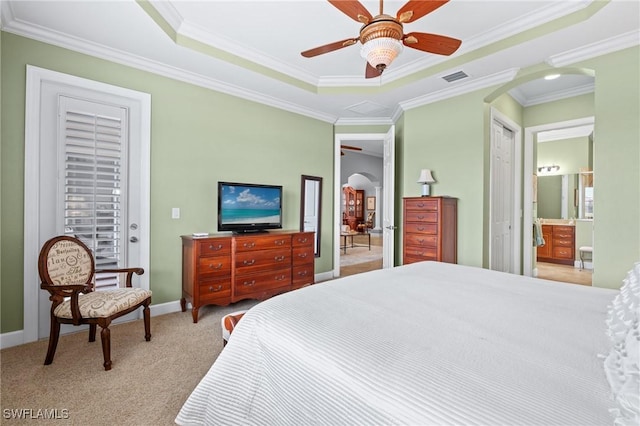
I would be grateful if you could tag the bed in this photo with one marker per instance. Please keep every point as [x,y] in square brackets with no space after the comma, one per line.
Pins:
[423,344]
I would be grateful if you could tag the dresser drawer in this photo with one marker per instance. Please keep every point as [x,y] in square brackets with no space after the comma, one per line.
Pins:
[214,265]
[251,260]
[218,246]
[262,281]
[425,253]
[420,240]
[564,242]
[564,230]
[562,252]
[210,290]
[262,243]
[421,204]
[413,259]
[303,239]
[303,275]
[421,228]
[302,255]
[421,216]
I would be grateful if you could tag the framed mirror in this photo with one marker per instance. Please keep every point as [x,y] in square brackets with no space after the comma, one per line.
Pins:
[311,208]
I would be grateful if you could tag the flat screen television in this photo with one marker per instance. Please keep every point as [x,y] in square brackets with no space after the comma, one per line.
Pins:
[248,207]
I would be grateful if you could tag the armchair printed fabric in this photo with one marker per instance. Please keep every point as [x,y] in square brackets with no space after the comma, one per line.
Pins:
[66,267]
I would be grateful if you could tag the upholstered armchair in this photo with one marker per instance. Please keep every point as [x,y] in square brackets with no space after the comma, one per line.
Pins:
[67,268]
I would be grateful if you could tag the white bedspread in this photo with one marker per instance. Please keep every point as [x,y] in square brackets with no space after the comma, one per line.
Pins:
[423,344]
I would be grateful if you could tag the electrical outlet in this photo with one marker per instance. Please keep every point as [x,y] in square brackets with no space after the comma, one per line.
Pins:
[175,213]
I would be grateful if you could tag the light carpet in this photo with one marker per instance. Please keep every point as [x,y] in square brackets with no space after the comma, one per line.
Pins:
[147,385]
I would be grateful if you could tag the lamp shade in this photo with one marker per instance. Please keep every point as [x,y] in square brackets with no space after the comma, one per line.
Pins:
[380,52]
[425,176]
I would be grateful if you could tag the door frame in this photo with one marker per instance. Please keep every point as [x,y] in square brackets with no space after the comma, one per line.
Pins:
[516,211]
[529,167]
[141,108]
[340,139]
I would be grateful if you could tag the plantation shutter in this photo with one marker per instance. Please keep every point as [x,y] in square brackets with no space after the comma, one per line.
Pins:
[94,147]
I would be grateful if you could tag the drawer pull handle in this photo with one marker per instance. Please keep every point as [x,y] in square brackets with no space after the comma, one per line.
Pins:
[302,240]
[212,247]
[302,255]
[420,217]
[280,277]
[420,204]
[420,228]
[278,258]
[216,266]
[420,240]
[250,244]
[217,288]
[249,283]
[248,262]
[278,242]
[302,273]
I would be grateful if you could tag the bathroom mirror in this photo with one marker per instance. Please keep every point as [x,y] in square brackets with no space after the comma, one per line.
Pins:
[311,208]
[557,196]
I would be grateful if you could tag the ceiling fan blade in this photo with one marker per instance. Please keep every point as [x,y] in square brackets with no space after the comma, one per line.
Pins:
[416,9]
[353,9]
[355,148]
[329,47]
[432,43]
[371,72]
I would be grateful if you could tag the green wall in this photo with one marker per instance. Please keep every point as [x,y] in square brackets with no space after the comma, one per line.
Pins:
[198,137]
[447,137]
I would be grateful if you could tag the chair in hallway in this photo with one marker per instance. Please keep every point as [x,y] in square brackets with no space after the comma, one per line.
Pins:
[67,268]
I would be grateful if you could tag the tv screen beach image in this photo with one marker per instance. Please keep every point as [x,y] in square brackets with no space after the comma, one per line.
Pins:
[249,205]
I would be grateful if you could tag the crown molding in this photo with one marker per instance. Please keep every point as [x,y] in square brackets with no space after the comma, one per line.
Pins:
[144,64]
[10,24]
[364,121]
[565,133]
[561,94]
[188,29]
[598,48]
[462,88]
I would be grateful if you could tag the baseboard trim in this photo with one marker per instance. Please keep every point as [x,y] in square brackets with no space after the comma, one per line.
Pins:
[12,338]
[324,276]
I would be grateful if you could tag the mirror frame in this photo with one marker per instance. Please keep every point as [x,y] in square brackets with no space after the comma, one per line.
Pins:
[318,213]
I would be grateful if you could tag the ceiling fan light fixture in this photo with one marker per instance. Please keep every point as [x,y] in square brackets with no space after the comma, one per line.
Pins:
[380,52]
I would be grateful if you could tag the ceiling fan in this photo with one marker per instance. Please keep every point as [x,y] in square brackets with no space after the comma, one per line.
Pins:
[382,36]
[353,148]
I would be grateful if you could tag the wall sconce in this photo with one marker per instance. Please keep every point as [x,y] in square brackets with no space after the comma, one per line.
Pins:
[548,169]
[425,179]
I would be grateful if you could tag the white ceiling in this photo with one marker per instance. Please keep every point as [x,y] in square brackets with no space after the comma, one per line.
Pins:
[252,49]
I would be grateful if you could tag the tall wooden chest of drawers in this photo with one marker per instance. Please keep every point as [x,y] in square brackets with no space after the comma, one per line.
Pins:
[223,269]
[430,229]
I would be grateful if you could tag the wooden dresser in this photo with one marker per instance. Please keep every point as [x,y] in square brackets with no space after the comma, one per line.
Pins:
[559,244]
[222,269]
[429,229]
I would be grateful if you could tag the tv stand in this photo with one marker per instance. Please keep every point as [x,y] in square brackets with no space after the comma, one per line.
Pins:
[221,269]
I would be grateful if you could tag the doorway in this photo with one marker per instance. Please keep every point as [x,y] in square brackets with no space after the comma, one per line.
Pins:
[530,266]
[383,200]
[87,174]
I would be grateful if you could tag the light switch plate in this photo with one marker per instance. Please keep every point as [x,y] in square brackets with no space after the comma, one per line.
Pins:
[175,213]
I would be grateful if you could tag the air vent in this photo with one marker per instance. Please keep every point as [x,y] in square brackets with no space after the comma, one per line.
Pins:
[455,76]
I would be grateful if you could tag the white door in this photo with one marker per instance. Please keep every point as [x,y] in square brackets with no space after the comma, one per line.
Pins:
[502,178]
[388,208]
[91,150]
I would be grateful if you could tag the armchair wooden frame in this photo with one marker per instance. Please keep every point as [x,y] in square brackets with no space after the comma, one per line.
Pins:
[66,267]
